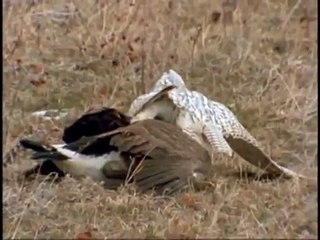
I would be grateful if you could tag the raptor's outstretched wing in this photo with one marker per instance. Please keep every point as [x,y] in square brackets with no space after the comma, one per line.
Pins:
[257,157]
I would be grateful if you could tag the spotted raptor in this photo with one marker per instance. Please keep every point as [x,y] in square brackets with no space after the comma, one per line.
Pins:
[210,123]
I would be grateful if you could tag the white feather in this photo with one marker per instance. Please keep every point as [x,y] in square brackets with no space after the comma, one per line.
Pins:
[84,165]
[159,109]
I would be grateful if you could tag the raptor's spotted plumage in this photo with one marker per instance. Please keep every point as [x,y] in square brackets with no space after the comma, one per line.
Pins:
[210,123]
[155,149]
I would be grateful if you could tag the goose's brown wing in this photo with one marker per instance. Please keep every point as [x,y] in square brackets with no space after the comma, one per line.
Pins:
[170,159]
[171,174]
[158,136]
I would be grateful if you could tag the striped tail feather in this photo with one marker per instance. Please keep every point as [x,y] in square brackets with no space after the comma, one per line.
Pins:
[69,158]
[35,146]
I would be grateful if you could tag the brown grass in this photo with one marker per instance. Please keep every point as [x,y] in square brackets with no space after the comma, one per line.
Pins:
[259,58]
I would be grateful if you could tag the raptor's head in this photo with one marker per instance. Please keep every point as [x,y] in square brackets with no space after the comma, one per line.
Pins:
[169,78]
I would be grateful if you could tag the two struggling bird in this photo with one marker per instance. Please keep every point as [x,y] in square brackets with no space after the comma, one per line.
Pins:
[152,152]
[210,123]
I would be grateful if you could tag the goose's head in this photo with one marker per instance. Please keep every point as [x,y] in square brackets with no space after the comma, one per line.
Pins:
[95,122]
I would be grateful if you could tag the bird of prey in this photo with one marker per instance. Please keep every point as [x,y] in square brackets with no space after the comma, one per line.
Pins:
[210,123]
[151,152]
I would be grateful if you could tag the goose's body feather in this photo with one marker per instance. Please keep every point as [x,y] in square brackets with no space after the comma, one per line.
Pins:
[210,123]
[161,150]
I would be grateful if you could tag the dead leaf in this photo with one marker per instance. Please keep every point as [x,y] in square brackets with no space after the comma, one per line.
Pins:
[189,201]
[36,68]
[84,235]
[38,82]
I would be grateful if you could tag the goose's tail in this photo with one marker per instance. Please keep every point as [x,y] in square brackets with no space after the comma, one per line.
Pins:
[43,151]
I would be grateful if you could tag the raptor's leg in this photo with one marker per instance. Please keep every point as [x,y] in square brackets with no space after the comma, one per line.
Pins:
[216,139]
[188,126]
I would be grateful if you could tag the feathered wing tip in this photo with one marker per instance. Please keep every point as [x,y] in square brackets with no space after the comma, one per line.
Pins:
[258,158]
[169,78]
[95,122]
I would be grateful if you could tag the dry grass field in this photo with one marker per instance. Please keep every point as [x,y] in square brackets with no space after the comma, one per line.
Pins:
[257,57]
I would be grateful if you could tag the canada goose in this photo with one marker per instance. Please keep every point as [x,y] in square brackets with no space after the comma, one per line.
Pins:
[210,123]
[93,122]
[155,149]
